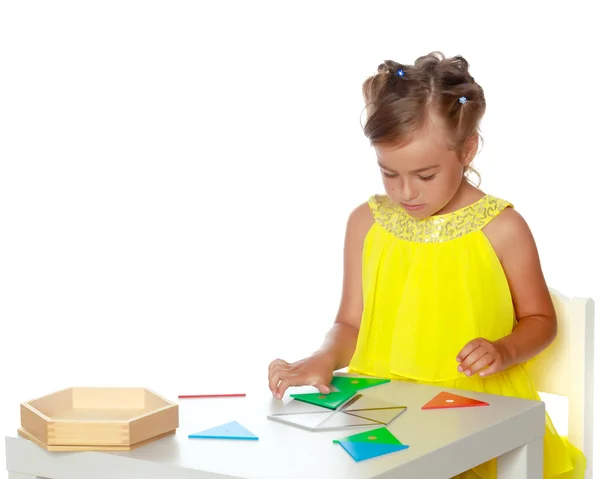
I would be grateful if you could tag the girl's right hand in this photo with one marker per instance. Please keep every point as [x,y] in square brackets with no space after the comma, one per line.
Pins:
[316,370]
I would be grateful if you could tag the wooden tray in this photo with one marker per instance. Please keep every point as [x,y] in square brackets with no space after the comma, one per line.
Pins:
[98,418]
[25,434]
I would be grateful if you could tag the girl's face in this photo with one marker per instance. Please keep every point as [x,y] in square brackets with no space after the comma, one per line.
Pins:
[423,175]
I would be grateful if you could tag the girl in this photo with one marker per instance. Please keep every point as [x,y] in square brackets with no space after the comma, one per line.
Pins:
[442,282]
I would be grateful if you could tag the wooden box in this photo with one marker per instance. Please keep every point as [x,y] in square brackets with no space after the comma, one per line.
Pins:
[88,419]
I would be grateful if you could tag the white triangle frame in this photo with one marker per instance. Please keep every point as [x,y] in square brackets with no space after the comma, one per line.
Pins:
[345,417]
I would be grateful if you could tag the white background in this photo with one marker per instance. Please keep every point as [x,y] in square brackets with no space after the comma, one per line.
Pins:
[175,177]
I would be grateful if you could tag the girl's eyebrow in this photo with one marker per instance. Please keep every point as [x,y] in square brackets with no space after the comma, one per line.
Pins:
[419,170]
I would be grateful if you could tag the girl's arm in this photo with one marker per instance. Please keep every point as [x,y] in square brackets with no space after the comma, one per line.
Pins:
[340,342]
[536,319]
[536,326]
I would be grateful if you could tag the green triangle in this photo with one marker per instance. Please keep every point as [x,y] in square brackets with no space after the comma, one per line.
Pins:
[329,401]
[375,436]
[344,383]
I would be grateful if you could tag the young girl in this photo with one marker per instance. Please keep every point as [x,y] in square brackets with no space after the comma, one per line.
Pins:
[442,282]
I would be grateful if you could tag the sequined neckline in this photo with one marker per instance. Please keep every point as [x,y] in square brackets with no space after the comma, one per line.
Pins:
[437,228]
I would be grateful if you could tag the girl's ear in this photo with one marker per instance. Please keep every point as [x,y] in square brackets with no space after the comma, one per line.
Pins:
[470,149]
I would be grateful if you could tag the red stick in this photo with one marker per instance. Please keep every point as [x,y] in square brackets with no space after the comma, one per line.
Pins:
[211,396]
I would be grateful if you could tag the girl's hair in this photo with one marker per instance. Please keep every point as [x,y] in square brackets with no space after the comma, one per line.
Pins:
[401,98]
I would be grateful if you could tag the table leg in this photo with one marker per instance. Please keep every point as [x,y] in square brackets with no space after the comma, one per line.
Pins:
[525,462]
[16,475]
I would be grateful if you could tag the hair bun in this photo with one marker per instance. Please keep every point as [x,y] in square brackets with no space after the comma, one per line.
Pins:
[390,67]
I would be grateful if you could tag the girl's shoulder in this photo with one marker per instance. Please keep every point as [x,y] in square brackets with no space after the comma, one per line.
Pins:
[508,232]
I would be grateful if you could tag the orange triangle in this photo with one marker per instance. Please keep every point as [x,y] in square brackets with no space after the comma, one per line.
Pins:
[445,400]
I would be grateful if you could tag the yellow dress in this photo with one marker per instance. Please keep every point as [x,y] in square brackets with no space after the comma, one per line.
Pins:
[429,287]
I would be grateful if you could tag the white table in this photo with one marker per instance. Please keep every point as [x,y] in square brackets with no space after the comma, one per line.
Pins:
[442,443]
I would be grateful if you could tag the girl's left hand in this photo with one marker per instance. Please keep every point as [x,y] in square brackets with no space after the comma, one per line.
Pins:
[483,356]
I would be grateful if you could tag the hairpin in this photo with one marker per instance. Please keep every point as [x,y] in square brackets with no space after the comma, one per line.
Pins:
[463,99]
[400,73]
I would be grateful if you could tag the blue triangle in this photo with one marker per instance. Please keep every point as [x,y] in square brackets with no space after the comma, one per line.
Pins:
[365,450]
[231,430]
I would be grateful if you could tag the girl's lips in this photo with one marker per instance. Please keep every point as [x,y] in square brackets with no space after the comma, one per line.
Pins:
[412,207]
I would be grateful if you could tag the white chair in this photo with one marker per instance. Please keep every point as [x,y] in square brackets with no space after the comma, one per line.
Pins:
[566,368]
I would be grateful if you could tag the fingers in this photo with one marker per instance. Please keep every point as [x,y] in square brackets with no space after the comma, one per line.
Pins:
[290,379]
[322,384]
[322,388]
[282,387]
[277,371]
[283,375]
[468,349]
[275,363]
[474,356]
[478,365]
[480,356]
[493,368]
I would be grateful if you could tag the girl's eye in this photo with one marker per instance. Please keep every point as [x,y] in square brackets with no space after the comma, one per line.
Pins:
[427,178]
[389,175]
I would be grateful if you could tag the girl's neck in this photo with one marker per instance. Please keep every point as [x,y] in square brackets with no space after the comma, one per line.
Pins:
[466,195]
